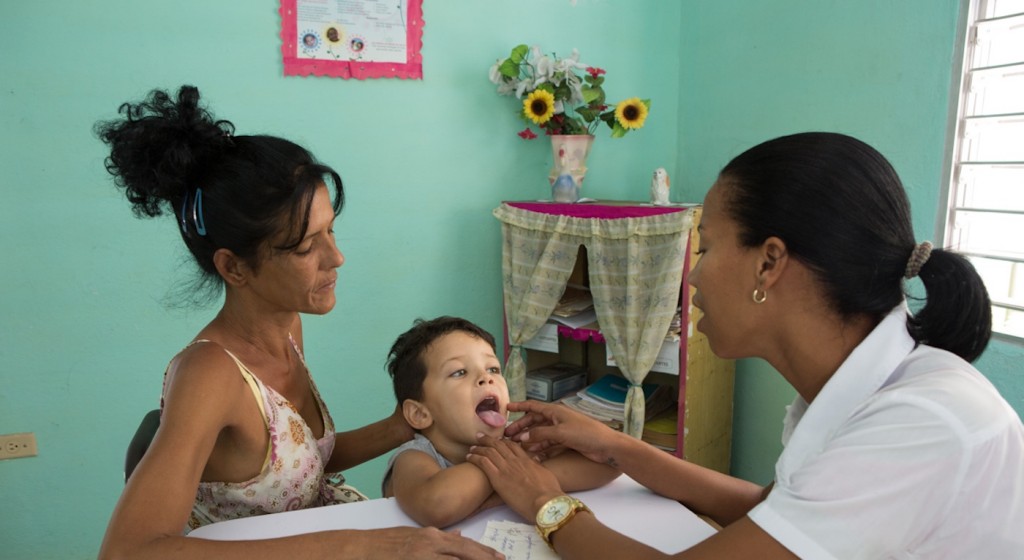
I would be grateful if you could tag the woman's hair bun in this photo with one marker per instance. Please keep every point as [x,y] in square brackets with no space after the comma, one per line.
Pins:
[161,147]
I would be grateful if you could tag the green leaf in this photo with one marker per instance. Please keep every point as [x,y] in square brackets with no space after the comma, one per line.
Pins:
[587,113]
[618,131]
[519,54]
[510,66]
[509,69]
[591,94]
[573,126]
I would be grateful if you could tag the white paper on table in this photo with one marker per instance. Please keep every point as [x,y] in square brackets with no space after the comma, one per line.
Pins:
[517,541]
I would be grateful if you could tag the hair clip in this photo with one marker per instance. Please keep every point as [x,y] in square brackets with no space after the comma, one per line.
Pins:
[184,203]
[197,213]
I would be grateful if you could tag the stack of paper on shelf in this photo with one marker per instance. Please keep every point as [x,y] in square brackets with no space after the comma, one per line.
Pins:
[572,302]
[605,399]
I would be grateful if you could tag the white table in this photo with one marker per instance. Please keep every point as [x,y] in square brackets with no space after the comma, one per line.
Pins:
[623,505]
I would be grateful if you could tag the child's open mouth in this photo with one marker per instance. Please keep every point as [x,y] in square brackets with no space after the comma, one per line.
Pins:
[488,411]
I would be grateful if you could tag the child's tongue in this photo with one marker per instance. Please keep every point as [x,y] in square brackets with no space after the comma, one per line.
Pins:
[492,418]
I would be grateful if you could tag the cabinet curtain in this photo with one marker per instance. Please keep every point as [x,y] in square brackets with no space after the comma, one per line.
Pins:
[635,269]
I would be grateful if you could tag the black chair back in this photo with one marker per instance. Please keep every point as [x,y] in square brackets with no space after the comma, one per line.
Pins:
[140,441]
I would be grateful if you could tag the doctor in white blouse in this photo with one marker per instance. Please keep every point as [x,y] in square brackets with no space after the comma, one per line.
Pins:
[895,446]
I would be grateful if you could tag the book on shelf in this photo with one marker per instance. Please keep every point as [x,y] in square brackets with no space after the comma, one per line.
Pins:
[605,399]
[611,390]
[663,429]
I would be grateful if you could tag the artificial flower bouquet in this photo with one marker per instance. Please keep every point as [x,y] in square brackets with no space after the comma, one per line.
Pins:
[563,95]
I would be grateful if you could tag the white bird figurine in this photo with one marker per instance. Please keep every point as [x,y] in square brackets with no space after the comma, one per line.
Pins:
[659,187]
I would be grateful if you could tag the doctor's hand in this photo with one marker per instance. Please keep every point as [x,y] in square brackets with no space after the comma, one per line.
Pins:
[518,478]
[547,426]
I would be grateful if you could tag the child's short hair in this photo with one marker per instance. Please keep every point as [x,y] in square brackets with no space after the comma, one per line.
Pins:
[405,360]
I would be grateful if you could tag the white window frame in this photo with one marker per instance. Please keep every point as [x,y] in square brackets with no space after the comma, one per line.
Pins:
[1006,285]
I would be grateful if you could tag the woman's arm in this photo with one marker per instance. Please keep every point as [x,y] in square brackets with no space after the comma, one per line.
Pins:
[434,496]
[721,497]
[369,442]
[526,487]
[206,399]
[203,398]
[586,537]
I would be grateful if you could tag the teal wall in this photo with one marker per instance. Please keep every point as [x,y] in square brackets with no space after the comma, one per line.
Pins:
[86,331]
[85,322]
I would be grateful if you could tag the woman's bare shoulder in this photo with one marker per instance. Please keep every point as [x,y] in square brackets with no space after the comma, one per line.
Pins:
[204,368]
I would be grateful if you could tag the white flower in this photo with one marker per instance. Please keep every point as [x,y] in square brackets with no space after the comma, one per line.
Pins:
[494,74]
[545,70]
[521,88]
[567,65]
[576,98]
[506,88]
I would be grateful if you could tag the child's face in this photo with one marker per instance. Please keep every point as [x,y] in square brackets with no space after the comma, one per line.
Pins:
[464,389]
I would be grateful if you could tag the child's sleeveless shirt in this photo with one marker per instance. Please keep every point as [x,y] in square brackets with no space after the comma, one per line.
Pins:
[292,476]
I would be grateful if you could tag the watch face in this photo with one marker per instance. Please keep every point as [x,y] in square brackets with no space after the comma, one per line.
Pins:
[554,511]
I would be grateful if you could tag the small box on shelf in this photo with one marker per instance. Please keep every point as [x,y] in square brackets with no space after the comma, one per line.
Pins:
[551,383]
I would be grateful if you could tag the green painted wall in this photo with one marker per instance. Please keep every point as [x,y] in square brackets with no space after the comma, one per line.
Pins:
[85,325]
[86,331]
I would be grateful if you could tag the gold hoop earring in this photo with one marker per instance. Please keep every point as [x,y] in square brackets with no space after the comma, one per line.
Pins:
[764,296]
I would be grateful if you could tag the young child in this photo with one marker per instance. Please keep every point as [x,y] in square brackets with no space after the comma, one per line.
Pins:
[448,382]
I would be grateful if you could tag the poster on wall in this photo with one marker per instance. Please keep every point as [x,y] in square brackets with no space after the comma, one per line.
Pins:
[352,38]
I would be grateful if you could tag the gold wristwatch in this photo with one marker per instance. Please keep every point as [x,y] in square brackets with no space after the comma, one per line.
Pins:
[556,513]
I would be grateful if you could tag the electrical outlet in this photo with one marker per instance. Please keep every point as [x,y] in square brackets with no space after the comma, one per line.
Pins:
[13,446]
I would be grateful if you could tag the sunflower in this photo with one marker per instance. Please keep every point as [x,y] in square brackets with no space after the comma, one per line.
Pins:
[539,106]
[631,113]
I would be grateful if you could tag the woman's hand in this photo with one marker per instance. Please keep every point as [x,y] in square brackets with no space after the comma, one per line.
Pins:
[519,479]
[550,425]
[400,425]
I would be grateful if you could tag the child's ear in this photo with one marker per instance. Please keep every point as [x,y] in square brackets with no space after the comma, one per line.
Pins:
[417,414]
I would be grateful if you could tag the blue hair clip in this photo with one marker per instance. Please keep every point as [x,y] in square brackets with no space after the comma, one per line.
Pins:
[184,203]
[197,213]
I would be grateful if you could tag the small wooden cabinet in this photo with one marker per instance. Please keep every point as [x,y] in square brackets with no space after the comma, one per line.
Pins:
[704,382]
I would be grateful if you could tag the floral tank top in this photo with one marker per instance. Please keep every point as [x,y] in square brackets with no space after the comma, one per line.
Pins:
[292,476]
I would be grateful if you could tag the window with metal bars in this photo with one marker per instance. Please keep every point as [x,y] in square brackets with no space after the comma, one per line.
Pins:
[985,219]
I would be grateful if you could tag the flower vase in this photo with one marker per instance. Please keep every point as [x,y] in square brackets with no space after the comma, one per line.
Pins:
[569,152]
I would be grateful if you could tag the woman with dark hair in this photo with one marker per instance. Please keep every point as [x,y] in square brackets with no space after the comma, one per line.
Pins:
[895,446]
[243,430]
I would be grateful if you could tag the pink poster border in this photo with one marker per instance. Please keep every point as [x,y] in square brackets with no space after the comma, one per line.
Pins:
[360,70]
